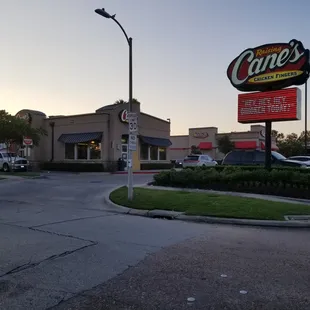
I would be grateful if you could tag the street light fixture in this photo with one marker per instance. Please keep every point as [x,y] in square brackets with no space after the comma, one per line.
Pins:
[105,14]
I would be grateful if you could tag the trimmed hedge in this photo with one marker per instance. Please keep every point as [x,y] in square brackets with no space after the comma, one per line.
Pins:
[155,166]
[286,182]
[220,168]
[79,167]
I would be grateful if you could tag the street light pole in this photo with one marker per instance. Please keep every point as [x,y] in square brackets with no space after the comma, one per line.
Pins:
[129,169]
[105,14]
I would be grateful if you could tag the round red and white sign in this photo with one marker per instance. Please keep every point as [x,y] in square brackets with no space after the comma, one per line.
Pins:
[123,116]
[28,141]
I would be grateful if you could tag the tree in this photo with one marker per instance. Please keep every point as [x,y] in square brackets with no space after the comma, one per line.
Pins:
[121,101]
[225,145]
[291,145]
[13,130]
[302,136]
[278,135]
[195,150]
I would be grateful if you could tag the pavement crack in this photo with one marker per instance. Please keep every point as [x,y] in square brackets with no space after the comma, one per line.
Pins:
[71,220]
[52,257]
[62,235]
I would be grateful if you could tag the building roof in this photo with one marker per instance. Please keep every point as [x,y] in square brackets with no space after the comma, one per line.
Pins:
[160,119]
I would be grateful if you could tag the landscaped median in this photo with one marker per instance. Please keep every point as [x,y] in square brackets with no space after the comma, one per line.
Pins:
[204,204]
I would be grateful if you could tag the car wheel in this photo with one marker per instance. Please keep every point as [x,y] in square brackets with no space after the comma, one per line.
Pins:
[6,168]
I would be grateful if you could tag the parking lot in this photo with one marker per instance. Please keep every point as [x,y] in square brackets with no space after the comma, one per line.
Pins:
[61,248]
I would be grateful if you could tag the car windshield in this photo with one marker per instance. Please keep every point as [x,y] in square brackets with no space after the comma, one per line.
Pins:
[191,157]
[9,154]
[278,156]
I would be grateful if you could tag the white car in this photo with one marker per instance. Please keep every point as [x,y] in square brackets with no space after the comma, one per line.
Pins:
[304,159]
[10,161]
[197,160]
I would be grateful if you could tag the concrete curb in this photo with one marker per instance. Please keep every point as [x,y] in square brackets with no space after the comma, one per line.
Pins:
[173,215]
[136,172]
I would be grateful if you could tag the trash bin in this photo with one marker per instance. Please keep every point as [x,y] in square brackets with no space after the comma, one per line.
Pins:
[121,164]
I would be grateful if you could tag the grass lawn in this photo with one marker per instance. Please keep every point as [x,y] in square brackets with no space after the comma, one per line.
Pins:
[208,204]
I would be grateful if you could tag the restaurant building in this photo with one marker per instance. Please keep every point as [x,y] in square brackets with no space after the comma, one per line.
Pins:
[206,139]
[101,136]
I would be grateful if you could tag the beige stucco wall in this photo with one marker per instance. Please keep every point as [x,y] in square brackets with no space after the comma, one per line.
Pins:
[75,124]
[117,128]
[209,134]
[180,147]
[105,120]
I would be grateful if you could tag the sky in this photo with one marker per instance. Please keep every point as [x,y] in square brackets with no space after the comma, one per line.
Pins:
[59,57]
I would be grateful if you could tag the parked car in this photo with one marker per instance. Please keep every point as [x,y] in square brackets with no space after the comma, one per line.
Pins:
[257,157]
[10,161]
[304,159]
[198,160]
[178,163]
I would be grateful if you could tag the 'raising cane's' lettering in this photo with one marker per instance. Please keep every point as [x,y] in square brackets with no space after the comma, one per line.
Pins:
[270,67]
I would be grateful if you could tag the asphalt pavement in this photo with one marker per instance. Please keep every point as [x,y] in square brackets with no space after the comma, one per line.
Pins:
[61,248]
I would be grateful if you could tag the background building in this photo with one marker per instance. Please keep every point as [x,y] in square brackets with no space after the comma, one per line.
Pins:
[99,137]
[206,139]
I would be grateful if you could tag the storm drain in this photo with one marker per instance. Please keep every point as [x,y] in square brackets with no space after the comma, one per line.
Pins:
[299,218]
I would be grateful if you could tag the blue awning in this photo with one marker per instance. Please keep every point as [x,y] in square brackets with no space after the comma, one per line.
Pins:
[156,141]
[72,138]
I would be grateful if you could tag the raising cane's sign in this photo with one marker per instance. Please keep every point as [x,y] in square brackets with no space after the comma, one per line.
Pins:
[123,116]
[270,67]
[280,105]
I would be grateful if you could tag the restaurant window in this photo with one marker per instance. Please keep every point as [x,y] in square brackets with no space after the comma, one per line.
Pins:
[144,151]
[69,151]
[95,150]
[82,150]
[162,153]
[124,139]
[153,152]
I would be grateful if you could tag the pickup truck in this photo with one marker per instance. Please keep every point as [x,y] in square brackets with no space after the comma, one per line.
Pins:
[12,162]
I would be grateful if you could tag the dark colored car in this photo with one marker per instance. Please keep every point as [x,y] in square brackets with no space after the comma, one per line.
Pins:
[257,157]
[178,163]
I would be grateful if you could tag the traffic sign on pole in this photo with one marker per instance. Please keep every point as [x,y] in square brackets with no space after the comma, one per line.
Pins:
[132,122]
[27,141]
[132,142]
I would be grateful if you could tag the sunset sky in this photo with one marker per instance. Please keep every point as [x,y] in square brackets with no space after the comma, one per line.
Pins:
[59,57]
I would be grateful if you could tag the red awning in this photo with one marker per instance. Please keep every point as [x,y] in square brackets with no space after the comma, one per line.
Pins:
[273,146]
[245,145]
[205,145]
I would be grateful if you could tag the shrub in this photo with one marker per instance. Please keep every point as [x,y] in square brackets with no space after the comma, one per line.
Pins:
[284,181]
[155,166]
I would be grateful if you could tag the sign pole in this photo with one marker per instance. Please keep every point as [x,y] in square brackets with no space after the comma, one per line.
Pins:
[268,145]
[306,119]
[129,160]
